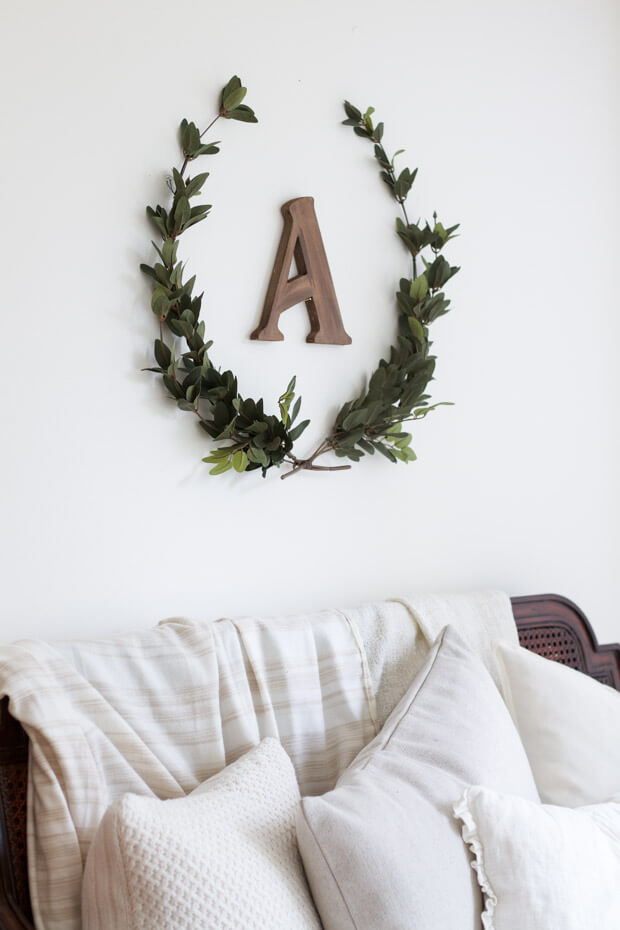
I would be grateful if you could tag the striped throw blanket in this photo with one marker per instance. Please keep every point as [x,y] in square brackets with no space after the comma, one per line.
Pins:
[159,711]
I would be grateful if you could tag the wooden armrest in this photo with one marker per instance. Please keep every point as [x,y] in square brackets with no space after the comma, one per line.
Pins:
[13,919]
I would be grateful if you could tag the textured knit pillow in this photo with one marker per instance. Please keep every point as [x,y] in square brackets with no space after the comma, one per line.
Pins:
[222,858]
[543,867]
[382,851]
[570,727]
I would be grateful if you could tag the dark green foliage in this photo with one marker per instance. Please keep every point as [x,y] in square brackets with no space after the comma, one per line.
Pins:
[396,391]
[251,439]
[231,106]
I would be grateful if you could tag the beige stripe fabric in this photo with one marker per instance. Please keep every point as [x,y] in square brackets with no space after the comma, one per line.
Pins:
[158,712]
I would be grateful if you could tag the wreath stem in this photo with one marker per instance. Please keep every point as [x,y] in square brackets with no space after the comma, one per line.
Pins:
[213,121]
[308,464]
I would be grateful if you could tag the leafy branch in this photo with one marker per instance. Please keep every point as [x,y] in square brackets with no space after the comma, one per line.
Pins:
[251,439]
[396,393]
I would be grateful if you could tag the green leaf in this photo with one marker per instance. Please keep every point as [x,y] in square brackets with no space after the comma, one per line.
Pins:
[200,209]
[217,455]
[194,186]
[243,114]
[234,97]
[380,154]
[258,456]
[159,301]
[240,461]
[296,432]
[366,446]
[434,307]
[220,468]
[421,412]
[419,288]
[190,138]
[146,269]
[180,328]
[173,387]
[230,88]
[157,249]
[259,426]
[404,183]
[386,451]
[285,399]
[352,112]
[296,408]
[161,273]
[158,220]
[196,219]
[439,272]
[355,418]
[179,183]
[182,212]
[162,353]
[169,252]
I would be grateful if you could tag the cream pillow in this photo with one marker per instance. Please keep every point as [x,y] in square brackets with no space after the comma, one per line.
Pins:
[569,724]
[543,867]
[224,857]
[382,851]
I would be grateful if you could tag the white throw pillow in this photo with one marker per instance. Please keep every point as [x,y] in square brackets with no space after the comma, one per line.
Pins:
[569,724]
[382,851]
[224,857]
[543,867]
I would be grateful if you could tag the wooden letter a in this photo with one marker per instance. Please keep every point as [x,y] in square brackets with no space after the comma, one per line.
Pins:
[301,239]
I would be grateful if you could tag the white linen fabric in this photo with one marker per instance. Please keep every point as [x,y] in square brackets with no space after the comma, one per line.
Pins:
[399,634]
[382,849]
[482,619]
[543,867]
[223,858]
[157,712]
[569,724]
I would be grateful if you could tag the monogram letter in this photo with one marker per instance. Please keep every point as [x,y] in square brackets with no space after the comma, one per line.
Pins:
[301,239]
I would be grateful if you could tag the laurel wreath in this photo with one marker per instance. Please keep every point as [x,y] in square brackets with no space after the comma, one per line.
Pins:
[249,438]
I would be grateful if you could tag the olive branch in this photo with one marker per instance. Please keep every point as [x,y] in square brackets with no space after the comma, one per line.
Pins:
[250,438]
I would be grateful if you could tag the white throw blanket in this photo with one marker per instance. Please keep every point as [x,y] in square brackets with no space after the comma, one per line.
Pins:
[158,712]
[396,647]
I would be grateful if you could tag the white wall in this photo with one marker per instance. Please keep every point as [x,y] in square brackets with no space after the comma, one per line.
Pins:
[109,518]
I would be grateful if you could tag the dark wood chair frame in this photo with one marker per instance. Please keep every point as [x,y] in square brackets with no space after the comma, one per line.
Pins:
[548,624]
